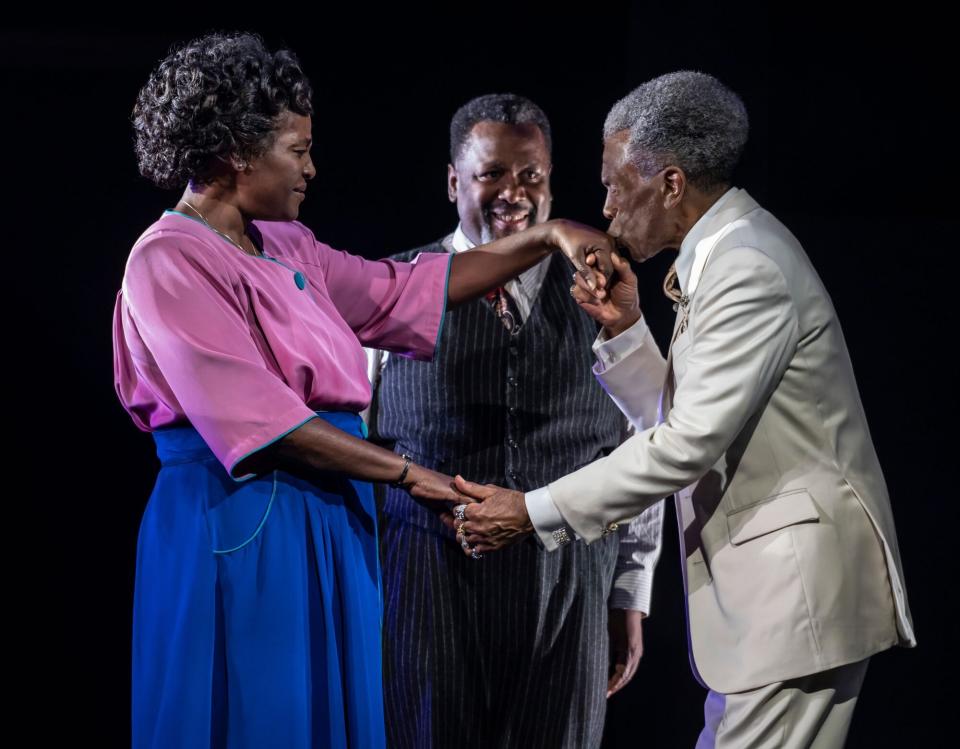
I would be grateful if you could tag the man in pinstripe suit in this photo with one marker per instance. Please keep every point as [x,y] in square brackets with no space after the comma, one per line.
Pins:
[511,650]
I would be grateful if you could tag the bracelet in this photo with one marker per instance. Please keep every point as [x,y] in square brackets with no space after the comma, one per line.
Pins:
[403,474]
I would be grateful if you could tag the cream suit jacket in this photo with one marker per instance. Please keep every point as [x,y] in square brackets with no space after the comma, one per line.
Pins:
[791,563]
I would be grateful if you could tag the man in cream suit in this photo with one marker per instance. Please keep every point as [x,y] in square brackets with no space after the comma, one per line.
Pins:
[791,567]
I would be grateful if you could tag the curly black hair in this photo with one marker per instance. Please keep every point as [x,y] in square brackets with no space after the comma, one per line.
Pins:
[215,97]
[509,109]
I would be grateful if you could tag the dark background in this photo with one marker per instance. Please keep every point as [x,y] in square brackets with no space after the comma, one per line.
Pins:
[852,146]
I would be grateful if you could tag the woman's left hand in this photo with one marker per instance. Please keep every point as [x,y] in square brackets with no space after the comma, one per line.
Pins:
[578,242]
[426,485]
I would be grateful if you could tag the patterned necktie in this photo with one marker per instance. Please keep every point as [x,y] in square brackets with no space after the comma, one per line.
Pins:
[506,309]
[671,287]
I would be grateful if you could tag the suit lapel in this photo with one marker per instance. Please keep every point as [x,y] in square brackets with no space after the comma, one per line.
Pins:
[669,385]
[682,499]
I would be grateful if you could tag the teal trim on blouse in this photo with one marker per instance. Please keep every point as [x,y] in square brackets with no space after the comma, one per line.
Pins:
[187,215]
[443,312]
[210,229]
[298,278]
[248,476]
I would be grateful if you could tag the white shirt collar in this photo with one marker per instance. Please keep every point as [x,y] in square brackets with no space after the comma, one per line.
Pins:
[524,288]
[697,246]
[461,242]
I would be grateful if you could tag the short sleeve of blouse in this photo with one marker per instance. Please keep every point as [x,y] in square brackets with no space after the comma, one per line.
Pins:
[185,308]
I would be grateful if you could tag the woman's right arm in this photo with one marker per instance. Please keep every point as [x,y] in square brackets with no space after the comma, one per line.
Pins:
[318,446]
[183,306]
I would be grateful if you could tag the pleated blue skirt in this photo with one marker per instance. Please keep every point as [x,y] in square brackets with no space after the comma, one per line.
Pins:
[257,609]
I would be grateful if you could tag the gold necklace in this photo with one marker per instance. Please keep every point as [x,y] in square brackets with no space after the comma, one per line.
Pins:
[211,227]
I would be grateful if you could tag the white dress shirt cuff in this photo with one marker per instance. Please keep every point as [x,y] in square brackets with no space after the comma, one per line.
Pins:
[632,589]
[609,351]
[547,521]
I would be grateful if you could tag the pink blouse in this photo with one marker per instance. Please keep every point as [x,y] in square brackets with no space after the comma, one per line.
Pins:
[246,348]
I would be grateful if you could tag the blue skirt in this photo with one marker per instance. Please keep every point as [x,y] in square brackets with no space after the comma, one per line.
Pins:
[257,611]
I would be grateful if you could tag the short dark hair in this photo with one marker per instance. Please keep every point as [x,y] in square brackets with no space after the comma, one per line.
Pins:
[214,97]
[509,109]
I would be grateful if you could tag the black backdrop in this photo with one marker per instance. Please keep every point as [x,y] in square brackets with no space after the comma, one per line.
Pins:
[851,146]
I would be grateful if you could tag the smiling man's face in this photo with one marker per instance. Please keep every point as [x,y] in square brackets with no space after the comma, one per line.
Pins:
[501,180]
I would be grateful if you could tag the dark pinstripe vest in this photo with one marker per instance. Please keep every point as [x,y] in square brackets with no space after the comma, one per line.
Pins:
[516,411]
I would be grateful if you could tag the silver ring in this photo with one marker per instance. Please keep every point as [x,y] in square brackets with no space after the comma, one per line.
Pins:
[474,554]
[459,512]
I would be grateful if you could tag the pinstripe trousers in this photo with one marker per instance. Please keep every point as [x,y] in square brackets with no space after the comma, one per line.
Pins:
[507,651]
[510,650]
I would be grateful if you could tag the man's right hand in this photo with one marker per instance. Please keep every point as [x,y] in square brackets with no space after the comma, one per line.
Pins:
[620,307]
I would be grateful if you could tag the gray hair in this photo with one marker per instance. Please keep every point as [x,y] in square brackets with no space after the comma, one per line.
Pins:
[686,119]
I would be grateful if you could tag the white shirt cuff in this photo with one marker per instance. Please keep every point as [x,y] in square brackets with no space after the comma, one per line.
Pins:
[546,519]
[611,350]
[632,589]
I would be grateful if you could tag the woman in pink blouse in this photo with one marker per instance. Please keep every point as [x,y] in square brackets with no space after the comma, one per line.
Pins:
[238,342]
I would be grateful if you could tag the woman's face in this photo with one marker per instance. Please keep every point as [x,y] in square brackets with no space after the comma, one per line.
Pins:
[274,184]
